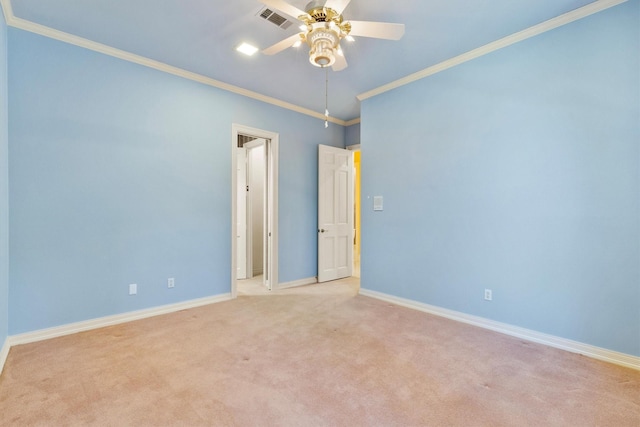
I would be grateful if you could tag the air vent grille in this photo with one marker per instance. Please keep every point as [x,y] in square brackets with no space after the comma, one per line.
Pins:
[274,18]
[266,13]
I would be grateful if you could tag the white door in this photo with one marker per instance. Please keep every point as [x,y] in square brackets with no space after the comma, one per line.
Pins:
[335,213]
[256,206]
[241,213]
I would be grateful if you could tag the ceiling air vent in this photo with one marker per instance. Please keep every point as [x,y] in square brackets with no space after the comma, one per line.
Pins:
[274,18]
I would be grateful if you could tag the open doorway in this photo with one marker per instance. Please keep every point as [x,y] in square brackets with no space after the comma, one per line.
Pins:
[254,208]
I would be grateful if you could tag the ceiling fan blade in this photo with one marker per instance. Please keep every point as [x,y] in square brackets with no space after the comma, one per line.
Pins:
[340,64]
[378,30]
[282,45]
[285,7]
[337,5]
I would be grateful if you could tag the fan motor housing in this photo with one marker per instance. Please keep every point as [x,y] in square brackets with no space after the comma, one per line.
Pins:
[323,42]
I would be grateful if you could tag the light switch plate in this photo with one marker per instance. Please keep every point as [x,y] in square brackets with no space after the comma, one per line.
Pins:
[377,203]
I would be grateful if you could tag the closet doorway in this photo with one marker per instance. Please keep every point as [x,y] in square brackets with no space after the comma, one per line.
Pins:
[254,208]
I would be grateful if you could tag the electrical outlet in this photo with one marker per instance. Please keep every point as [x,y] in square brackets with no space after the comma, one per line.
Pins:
[171,282]
[488,295]
[133,289]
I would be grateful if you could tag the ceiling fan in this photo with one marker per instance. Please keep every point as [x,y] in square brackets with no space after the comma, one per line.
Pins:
[325,28]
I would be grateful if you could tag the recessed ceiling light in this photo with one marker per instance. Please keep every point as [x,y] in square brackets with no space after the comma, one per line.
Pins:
[350,39]
[247,49]
[298,43]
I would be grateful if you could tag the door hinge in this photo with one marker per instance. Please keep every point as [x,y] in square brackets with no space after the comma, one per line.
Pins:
[247,188]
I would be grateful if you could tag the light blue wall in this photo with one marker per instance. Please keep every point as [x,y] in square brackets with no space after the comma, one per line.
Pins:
[4,187]
[121,174]
[352,134]
[519,172]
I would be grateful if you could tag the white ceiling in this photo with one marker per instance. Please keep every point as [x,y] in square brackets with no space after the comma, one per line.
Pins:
[200,36]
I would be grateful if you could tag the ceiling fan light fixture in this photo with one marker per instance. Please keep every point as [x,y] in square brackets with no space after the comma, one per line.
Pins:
[324,27]
[322,55]
[323,42]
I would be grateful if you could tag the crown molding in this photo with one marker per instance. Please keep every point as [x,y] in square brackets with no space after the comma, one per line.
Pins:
[49,32]
[574,15]
[590,9]
[8,11]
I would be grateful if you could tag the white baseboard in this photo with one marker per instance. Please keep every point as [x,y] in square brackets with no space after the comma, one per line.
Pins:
[72,328]
[615,357]
[4,353]
[299,282]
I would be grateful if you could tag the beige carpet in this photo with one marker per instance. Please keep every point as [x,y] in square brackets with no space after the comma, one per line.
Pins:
[318,356]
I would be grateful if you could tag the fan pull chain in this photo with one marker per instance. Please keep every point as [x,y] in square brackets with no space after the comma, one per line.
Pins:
[326,98]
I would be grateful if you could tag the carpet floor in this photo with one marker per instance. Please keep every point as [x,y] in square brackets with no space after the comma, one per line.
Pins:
[318,356]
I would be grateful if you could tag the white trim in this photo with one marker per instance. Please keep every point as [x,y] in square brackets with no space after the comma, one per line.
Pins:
[45,31]
[273,154]
[8,11]
[87,325]
[234,211]
[4,353]
[299,282]
[595,7]
[574,15]
[594,352]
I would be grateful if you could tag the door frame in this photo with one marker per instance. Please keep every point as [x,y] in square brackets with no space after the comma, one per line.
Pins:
[271,186]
